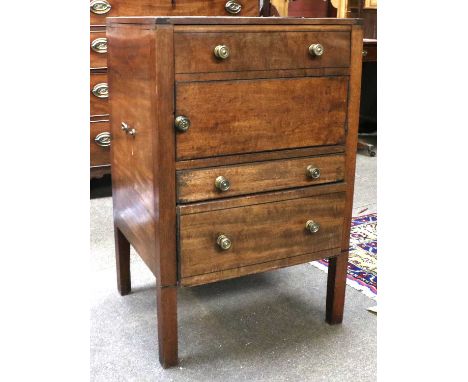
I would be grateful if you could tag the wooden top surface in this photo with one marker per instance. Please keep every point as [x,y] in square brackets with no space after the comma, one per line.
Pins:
[221,20]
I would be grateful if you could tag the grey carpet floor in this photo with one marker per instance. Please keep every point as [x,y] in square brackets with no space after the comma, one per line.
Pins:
[265,327]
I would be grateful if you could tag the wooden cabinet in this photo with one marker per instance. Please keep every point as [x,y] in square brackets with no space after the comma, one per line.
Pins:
[99,10]
[233,152]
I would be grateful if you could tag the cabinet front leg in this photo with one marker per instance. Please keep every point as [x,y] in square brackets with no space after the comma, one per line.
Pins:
[122,257]
[336,287]
[167,325]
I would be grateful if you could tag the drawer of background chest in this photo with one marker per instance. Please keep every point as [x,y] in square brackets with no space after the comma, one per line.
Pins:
[98,49]
[222,239]
[226,181]
[99,94]
[100,140]
[243,50]
[100,9]
[235,117]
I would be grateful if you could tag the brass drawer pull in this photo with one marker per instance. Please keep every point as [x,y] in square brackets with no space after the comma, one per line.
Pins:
[233,7]
[103,139]
[224,242]
[99,45]
[313,172]
[182,123]
[128,130]
[221,52]
[101,90]
[222,184]
[316,49]
[100,7]
[312,226]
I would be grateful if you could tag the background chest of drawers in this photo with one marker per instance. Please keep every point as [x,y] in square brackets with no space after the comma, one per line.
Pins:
[233,151]
[100,138]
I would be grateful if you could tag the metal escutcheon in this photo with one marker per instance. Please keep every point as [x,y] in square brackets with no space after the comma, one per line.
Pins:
[99,45]
[103,139]
[221,52]
[182,123]
[316,49]
[222,184]
[223,242]
[312,226]
[233,7]
[128,130]
[313,172]
[101,90]
[100,7]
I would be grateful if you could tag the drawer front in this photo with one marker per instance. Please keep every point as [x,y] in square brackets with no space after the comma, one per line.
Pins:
[98,49]
[232,117]
[226,181]
[259,233]
[100,9]
[259,51]
[99,94]
[100,143]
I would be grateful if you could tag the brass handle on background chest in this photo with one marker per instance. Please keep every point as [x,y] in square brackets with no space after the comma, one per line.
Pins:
[312,226]
[221,52]
[233,7]
[313,172]
[101,90]
[99,45]
[103,139]
[182,123]
[100,7]
[223,242]
[222,184]
[316,49]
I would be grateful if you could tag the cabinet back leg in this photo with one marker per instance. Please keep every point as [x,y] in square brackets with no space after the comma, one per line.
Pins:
[122,257]
[336,287]
[167,325]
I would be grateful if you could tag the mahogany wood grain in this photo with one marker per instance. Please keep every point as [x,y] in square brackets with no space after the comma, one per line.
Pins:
[336,288]
[166,303]
[195,185]
[294,112]
[173,8]
[122,256]
[99,156]
[251,50]
[98,105]
[259,233]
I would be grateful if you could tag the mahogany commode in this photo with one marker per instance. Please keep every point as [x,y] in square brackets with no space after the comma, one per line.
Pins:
[233,150]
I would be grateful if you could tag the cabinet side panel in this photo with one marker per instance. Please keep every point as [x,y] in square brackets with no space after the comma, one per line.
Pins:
[131,83]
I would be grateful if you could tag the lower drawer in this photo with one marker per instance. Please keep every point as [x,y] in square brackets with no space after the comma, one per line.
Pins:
[99,94]
[221,239]
[100,139]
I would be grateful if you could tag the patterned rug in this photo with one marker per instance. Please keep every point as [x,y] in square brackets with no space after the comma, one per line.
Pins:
[362,263]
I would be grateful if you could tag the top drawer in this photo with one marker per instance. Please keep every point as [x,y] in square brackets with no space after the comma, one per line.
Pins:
[254,49]
[100,9]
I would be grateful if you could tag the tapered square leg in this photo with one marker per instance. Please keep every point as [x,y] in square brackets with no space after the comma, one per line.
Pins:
[122,257]
[167,325]
[336,287]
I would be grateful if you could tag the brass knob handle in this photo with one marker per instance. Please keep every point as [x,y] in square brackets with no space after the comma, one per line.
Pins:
[222,184]
[221,52]
[99,7]
[224,242]
[182,123]
[364,53]
[316,49]
[313,172]
[99,45]
[101,90]
[233,7]
[127,129]
[103,139]
[312,226]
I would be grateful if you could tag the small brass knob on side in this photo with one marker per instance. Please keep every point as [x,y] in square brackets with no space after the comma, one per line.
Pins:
[313,172]
[222,184]
[233,7]
[128,130]
[101,90]
[316,49]
[99,45]
[312,226]
[221,52]
[223,242]
[182,123]
[99,7]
